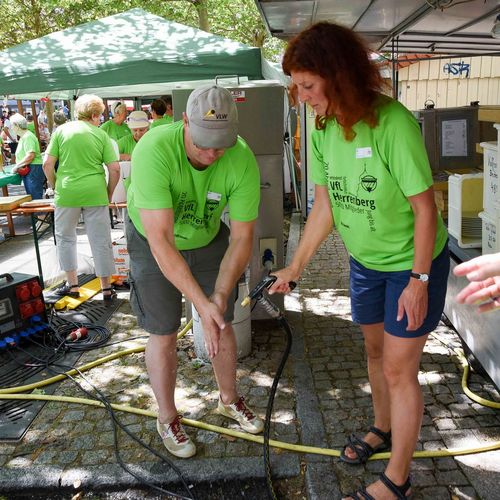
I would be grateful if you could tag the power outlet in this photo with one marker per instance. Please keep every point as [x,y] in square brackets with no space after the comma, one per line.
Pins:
[269,244]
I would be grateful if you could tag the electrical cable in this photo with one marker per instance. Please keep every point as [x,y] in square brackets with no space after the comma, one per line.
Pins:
[49,364]
[116,423]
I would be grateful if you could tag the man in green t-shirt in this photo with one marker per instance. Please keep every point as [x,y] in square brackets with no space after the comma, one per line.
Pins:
[182,178]
[161,112]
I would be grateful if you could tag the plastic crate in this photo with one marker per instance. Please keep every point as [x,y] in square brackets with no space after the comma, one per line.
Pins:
[465,201]
[491,230]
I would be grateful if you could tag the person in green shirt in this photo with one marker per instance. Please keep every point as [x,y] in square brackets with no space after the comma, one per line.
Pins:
[161,112]
[116,128]
[138,123]
[31,123]
[373,179]
[81,189]
[28,155]
[182,178]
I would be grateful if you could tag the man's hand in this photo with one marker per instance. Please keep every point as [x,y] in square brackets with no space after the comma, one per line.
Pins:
[414,302]
[212,321]
[220,300]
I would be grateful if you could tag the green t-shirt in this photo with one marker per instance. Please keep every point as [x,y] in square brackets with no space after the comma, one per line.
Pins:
[31,127]
[164,120]
[369,181]
[81,148]
[28,143]
[126,145]
[162,177]
[115,131]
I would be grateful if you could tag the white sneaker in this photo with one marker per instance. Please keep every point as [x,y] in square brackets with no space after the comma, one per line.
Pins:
[175,439]
[240,412]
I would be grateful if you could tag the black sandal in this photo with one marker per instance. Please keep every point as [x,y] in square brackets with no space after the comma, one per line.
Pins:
[362,449]
[65,291]
[399,491]
[108,297]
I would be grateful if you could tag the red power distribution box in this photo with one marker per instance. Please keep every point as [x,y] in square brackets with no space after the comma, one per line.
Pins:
[21,299]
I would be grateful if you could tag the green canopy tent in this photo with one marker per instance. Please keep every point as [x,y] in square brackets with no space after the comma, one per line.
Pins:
[127,54]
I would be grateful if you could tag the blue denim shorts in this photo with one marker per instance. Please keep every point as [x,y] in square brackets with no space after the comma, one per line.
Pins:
[375,295]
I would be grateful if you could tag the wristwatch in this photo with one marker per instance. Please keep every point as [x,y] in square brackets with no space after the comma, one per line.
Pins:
[420,276]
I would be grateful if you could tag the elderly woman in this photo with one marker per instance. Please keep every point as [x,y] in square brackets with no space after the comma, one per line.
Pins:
[28,155]
[80,188]
[139,124]
[116,128]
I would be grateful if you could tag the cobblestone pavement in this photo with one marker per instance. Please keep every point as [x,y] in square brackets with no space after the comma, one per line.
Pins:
[322,397]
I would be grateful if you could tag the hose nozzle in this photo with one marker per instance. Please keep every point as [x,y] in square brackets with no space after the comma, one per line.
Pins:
[265,283]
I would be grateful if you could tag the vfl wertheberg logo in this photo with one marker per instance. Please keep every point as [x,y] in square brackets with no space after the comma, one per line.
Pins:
[211,114]
[368,183]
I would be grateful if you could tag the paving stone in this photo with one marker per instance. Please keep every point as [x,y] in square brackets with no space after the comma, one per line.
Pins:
[435,493]
[423,478]
[449,477]
[445,463]
[444,424]
[94,457]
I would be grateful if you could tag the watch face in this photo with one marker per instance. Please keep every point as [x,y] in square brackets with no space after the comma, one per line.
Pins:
[421,277]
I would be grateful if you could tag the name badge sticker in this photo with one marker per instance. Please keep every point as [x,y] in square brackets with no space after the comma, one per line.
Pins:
[214,196]
[364,152]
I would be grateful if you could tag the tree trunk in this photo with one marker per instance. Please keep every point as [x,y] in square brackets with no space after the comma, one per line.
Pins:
[202,9]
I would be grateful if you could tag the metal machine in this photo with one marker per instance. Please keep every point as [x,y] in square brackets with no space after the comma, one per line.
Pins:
[22,306]
[261,123]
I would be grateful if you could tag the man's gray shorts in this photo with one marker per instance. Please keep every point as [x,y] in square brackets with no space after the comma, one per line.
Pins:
[155,301]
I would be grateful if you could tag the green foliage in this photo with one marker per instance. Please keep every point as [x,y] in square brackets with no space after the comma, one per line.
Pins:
[235,19]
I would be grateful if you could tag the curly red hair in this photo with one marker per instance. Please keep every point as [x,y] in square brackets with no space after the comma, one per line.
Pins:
[353,80]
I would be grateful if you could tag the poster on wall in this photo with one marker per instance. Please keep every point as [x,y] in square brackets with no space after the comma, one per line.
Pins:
[454,138]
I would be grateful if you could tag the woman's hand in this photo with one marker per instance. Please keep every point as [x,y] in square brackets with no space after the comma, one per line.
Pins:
[284,277]
[414,302]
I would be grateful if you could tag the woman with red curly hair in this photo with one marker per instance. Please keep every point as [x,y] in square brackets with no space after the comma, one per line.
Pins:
[372,178]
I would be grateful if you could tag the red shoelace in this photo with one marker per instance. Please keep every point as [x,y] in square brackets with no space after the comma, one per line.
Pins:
[242,407]
[178,431]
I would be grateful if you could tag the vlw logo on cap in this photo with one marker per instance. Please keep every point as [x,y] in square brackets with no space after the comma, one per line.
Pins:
[211,114]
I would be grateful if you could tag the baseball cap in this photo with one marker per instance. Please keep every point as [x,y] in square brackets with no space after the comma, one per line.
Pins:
[137,119]
[213,117]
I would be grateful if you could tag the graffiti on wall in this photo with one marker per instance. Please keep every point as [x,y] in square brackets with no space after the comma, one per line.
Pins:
[457,69]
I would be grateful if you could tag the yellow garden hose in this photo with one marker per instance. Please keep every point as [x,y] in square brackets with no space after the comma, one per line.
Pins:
[465,375]
[15,393]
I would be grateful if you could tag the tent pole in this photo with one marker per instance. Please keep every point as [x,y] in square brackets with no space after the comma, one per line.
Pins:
[49,109]
[20,108]
[106,110]
[35,119]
